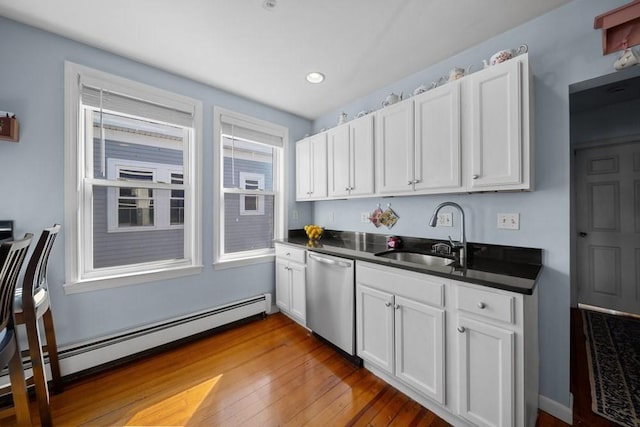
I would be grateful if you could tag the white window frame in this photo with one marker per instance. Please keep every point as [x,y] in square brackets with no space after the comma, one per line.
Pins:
[249,176]
[162,206]
[221,260]
[78,189]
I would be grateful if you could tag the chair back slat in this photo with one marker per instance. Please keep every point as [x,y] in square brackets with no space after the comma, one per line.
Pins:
[36,274]
[12,255]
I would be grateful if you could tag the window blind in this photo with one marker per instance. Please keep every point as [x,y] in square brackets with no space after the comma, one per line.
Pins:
[236,127]
[107,99]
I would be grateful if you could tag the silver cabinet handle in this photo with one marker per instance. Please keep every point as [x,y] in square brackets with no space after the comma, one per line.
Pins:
[410,182]
[397,306]
[347,188]
[481,305]
[387,304]
[416,181]
[461,329]
[475,176]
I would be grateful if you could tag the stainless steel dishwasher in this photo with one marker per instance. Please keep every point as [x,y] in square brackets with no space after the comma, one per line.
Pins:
[331,299]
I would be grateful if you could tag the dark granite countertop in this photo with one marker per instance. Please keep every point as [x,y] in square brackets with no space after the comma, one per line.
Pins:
[509,268]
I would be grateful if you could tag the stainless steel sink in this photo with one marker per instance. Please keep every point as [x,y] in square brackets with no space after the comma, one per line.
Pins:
[417,258]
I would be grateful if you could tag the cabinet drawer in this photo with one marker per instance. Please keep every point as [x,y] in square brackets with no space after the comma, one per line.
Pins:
[486,303]
[416,286]
[291,253]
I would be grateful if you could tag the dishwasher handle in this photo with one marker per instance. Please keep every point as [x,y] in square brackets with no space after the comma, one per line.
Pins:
[323,260]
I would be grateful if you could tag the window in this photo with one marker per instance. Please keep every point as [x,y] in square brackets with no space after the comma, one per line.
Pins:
[249,188]
[132,183]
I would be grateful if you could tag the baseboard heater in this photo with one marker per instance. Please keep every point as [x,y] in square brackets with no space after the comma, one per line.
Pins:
[86,356]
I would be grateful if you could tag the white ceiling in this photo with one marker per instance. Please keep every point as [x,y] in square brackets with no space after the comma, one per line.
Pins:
[239,46]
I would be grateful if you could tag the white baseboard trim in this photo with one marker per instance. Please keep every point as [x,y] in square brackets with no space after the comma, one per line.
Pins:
[556,409]
[80,357]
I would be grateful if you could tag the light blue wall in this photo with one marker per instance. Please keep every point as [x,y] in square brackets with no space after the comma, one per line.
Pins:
[563,49]
[32,182]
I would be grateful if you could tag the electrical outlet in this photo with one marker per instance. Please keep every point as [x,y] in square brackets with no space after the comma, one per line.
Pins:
[445,219]
[364,217]
[296,215]
[332,217]
[509,221]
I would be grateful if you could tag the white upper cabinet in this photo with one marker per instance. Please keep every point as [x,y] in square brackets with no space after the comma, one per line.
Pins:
[471,134]
[350,164]
[499,140]
[339,164]
[437,140]
[395,149]
[419,144]
[311,167]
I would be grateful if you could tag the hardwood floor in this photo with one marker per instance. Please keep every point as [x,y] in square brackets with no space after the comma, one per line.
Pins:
[264,373]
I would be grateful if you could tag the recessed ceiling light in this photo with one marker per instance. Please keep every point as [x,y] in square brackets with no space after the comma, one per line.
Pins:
[315,77]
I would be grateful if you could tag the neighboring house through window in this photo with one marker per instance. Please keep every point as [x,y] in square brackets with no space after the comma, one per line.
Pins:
[135,209]
[133,181]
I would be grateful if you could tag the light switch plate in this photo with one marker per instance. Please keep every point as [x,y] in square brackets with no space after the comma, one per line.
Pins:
[509,221]
[364,217]
[445,219]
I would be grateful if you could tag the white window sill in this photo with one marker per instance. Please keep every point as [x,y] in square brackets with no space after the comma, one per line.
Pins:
[243,262]
[110,282]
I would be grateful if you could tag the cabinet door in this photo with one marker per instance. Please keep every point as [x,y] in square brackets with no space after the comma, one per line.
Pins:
[394,148]
[419,334]
[486,373]
[298,307]
[303,169]
[339,161]
[283,285]
[374,327]
[496,136]
[361,156]
[437,134]
[318,166]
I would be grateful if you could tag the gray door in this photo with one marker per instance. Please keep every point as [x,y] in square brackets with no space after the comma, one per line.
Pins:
[608,224]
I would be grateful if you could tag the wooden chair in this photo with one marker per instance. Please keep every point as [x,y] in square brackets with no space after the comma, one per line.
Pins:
[32,303]
[12,256]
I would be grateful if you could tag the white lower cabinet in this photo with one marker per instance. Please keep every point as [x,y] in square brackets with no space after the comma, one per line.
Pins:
[486,373]
[419,338]
[291,281]
[467,352]
[399,331]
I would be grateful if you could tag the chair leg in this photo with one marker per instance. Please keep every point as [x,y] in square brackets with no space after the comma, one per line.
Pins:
[19,389]
[52,350]
[39,376]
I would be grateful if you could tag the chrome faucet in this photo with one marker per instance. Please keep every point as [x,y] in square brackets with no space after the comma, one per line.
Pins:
[461,244]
